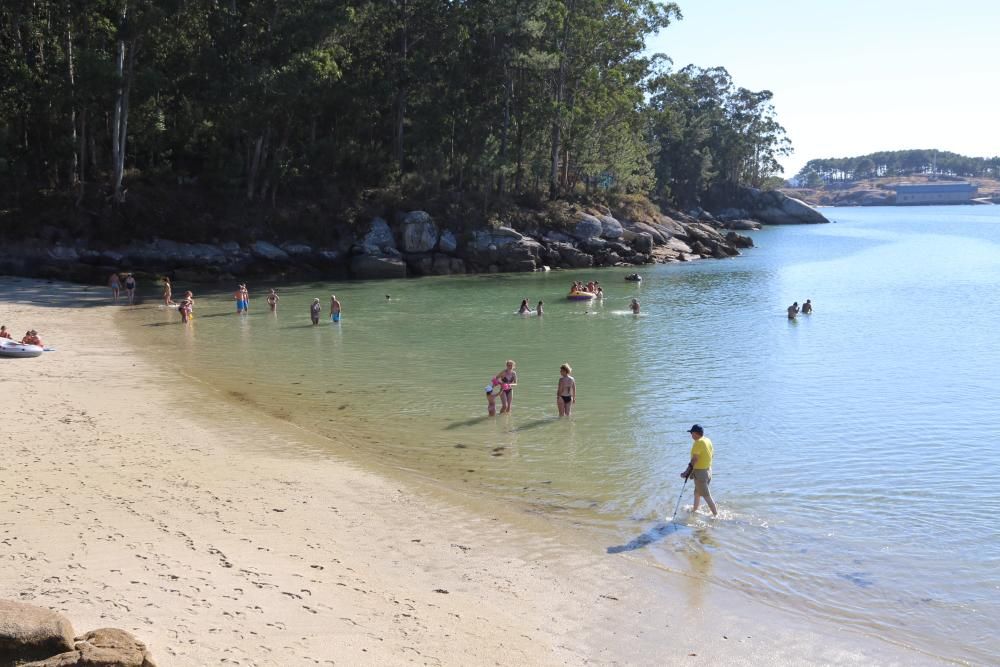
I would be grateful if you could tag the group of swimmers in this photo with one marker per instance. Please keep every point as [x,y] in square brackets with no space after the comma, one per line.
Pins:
[592,287]
[30,336]
[503,383]
[525,309]
[794,310]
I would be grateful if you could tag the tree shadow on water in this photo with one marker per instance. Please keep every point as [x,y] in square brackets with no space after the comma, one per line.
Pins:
[651,536]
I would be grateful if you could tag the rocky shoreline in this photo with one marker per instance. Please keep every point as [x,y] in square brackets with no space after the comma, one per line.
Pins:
[414,244]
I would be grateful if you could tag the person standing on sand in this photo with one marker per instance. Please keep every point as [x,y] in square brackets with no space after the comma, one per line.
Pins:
[272,301]
[793,310]
[335,308]
[565,391]
[508,380]
[314,311]
[130,288]
[807,307]
[116,287]
[700,468]
[168,292]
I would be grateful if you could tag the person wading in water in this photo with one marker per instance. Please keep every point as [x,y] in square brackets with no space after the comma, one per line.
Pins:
[700,468]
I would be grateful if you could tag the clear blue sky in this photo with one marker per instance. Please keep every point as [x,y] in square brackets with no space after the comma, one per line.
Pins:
[853,76]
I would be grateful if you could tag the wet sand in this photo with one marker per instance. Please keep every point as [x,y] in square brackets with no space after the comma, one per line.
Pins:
[215,543]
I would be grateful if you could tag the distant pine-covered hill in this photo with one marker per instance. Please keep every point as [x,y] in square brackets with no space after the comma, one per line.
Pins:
[895,164]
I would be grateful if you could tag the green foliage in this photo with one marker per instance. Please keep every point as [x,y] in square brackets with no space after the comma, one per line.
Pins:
[473,104]
[711,135]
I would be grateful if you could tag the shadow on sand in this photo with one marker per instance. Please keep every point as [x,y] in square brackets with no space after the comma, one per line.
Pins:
[468,422]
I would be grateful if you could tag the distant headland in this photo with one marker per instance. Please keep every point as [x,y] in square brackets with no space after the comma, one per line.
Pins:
[898,178]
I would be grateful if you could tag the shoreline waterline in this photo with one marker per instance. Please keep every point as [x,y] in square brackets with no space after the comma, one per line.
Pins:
[213,491]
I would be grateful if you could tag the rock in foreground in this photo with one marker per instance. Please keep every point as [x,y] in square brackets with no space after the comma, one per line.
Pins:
[107,647]
[28,632]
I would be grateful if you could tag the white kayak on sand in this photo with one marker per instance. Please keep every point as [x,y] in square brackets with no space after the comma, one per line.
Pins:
[9,348]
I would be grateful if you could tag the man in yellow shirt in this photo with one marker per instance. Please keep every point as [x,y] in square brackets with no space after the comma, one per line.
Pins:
[700,468]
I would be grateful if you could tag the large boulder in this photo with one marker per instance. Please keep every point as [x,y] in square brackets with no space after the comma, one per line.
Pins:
[379,238]
[269,251]
[61,253]
[776,208]
[655,232]
[28,632]
[587,227]
[107,647]
[492,239]
[441,265]
[297,249]
[556,236]
[420,234]
[447,242]
[571,256]
[611,229]
[370,267]
[738,240]
[642,242]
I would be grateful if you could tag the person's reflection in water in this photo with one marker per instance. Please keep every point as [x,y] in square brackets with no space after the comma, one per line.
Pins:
[699,552]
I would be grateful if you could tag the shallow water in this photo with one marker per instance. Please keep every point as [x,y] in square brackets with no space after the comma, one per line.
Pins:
[857,450]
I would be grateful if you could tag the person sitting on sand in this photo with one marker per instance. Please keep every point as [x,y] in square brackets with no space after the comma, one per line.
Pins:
[168,292]
[116,286]
[4,333]
[272,300]
[314,311]
[31,338]
[807,307]
[565,391]
[793,310]
[634,307]
[335,308]
[539,310]
[525,309]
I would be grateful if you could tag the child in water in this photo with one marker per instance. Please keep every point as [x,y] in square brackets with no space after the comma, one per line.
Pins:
[272,300]
[565,391]
[491,398]
[314,310]
[634,307]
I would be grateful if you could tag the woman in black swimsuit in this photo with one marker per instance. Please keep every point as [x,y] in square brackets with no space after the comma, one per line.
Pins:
[508,380]
[130,288]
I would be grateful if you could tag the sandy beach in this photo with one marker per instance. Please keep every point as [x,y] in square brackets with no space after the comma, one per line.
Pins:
[213,544]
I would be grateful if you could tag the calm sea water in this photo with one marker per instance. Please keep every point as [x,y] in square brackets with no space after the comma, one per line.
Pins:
[857,460]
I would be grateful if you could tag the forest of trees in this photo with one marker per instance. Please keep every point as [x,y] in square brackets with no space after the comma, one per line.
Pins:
[266,102]
[897,163]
